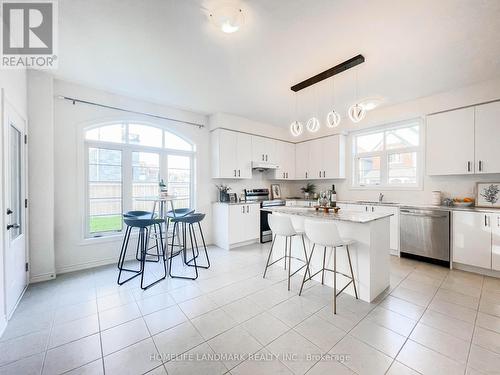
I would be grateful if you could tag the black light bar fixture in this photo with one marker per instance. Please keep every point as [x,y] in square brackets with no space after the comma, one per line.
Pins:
[342,67]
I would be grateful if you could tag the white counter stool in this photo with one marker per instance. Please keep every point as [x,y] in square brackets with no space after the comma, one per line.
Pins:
[281,225]
[326,234]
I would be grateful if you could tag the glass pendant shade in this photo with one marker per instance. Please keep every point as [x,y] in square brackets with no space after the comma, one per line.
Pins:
[332,119]
[296,128]
[356,112]
[313,125]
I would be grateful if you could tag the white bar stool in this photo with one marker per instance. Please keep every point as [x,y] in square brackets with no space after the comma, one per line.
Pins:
[326,234]
[281,225]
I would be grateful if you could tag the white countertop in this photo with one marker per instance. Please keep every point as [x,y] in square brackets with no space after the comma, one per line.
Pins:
[237,203]
[352,216]
[425,206]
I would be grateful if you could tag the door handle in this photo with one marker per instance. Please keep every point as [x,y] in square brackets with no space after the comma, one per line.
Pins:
[13,226]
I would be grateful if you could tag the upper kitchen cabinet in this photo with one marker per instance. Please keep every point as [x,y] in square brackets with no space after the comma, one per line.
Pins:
[231,154]
[302,161]
[263,150]
[327,158]
[450,142]
[487,138]
[285,159]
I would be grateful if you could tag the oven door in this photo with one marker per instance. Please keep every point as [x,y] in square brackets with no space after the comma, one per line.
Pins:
[265,232]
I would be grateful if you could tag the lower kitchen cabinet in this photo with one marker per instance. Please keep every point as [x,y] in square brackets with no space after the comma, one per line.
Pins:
[236,224]
[476,239]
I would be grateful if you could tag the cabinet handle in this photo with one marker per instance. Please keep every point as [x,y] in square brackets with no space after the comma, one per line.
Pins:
[235,173]
[498,221]
[373,208]
[485,220]
[266,157]
[286,174]
[306,174]
[248,209]
[480,166]
[366,208]
[243,209]
[468,166]
[239,173]
[319,173]
[324,174]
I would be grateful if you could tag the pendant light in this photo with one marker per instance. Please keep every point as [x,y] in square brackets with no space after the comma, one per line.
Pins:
[313,123]
[296,127]
[356,111]
[333,117]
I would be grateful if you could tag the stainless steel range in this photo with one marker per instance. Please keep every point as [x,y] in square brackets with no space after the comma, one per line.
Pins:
[262,196]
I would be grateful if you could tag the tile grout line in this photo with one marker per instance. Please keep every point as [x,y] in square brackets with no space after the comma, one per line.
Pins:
[474,329]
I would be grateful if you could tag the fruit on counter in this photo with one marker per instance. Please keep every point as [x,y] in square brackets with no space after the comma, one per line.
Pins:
[465,200]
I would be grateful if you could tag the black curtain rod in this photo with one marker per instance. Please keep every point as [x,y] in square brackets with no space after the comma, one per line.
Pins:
[74,101]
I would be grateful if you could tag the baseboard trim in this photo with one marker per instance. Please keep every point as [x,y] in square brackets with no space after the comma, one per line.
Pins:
[42,277]
[479,270]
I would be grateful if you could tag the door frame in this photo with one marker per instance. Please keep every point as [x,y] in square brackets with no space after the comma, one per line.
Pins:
[4,170]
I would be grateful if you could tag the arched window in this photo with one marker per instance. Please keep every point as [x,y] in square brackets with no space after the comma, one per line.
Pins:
[125,163]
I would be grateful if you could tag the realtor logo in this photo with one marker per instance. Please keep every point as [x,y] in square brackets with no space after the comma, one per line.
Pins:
[29,31]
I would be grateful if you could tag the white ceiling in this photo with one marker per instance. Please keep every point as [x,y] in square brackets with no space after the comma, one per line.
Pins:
[166,51]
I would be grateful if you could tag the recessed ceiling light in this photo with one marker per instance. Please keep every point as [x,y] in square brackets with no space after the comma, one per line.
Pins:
[227,18]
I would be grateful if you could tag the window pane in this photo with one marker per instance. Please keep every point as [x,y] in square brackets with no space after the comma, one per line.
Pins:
[179,179]
[146,176]
[403,137]
[369,170]
[144,135]
[109,133]
[403,168]
[370,142]
[105,190]
[176,143]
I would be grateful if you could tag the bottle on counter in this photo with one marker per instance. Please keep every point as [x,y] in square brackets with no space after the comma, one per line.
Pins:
[333,197]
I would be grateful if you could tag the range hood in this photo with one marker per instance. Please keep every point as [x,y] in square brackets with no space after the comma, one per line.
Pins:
[262,166]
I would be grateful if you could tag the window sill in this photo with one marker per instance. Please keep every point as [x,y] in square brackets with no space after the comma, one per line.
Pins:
[385,187]
[89,241]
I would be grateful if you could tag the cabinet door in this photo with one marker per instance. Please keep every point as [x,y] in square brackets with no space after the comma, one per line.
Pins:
[252,222]
[495,250]
[289,160]
[472,239]
[334,156]
[487,138]
[450,142]
[302,161]
[316,159]
[281,161]
[263,149]
[394,236]
[236,223]
[228,150]
[244,154]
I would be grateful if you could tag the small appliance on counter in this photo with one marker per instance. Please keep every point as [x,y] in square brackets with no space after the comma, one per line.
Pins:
[262,196]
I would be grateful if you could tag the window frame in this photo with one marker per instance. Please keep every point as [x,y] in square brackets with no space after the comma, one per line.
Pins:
[384,157]
[127,178]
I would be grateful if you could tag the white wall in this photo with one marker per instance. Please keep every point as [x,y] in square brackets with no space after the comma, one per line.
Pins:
[13,82]
[41,175]
[451,186]
[71,250]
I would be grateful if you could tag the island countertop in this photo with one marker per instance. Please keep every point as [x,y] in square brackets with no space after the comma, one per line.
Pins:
[342,215]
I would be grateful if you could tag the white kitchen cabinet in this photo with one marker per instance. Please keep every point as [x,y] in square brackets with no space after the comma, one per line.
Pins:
[236,224]
[302,161]
[487,138]
[263,150]
[394,236]
[333,149]
[495,242]
[285,159]
[472,238]
[450,142]
[231,154]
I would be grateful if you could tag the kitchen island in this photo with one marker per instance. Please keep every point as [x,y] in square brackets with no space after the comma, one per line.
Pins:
[370,253]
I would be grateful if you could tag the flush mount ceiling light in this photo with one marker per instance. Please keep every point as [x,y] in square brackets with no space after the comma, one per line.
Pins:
[296,128]
[227,18]
[313,124]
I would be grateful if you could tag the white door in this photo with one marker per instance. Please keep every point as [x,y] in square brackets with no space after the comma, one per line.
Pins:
[14,178]
[472,238]
[495,250]
[487,138]
[450,143]
[302,161]
[244,153]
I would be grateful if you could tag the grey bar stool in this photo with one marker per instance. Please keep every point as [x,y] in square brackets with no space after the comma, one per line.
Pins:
[189,221]
[143,224]
[143,215]
[178,212]
[281,225]
[326,234]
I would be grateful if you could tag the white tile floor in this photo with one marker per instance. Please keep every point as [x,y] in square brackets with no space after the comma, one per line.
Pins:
[231,320]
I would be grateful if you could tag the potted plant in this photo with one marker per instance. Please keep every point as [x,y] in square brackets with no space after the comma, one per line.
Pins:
[223,192]
[309,189]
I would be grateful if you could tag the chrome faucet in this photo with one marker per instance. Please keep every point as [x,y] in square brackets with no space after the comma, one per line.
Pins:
[380,197]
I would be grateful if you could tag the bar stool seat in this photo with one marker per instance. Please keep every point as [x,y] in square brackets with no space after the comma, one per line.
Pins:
[143,224]
[326,235]
[281,225]
[189,221]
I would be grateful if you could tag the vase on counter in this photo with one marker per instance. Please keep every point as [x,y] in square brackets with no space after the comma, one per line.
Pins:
[436,198]
[306,195]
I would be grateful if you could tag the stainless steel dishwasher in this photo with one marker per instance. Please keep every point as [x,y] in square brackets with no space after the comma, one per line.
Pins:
[425,234]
